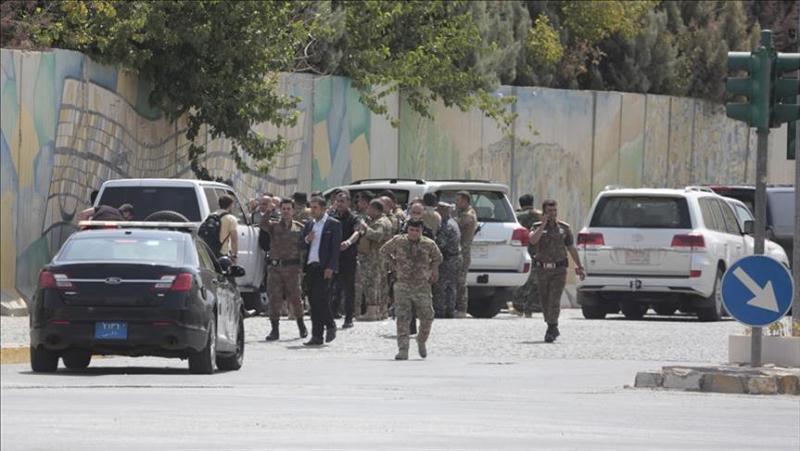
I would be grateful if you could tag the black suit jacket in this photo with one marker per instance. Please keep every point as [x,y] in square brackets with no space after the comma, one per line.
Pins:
[329,246]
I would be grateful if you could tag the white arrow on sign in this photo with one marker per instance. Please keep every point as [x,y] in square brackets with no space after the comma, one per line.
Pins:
[763,298]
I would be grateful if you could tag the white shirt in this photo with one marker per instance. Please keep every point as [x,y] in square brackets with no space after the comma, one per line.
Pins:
[313,252]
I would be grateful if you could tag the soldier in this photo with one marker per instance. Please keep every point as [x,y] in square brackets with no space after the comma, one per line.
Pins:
[302,213]
[285,268]
[374,233]
[467,221]
[431,217]
[416,260]
[526,297]
[395,217]
[449,241]
[551,240]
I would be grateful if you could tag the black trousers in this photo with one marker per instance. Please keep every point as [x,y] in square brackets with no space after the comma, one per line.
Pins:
[320,300]
[344,286]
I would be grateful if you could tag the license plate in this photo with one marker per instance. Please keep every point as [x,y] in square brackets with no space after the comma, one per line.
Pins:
[637,257]
[480,250]
[111,330]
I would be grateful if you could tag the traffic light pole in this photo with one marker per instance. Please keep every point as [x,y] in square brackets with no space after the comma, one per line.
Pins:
[760,226]
[796,251]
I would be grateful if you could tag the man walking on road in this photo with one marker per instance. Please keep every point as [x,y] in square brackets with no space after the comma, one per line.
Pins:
[285,268]
[322,238]
[416,260]
[467,221]
[526,297]
[551,240]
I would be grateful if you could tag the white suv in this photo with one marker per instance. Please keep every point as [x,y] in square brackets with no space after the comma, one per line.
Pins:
[665,248]
[500,260]
[194,200]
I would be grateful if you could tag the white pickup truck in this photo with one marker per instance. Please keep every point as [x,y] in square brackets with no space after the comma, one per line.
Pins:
[195,200]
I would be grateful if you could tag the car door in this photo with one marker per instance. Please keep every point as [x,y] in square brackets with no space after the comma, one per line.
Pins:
[733,233]
[743,214]
[251,257]
[208,274]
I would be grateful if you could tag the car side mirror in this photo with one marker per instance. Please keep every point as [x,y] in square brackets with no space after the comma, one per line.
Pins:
[225,263]
[749,226]
[236,271]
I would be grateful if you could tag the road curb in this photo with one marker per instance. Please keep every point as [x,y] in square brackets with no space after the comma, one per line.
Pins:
[15,354]
[723,379]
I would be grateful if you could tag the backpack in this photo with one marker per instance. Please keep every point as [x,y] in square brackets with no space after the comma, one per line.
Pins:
[209,232]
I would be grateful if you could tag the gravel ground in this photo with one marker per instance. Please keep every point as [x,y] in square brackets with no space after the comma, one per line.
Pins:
[506,338]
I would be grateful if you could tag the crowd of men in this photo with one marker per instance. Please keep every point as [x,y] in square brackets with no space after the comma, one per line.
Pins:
[366,257]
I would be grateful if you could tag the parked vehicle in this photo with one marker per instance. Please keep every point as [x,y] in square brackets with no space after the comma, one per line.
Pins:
[500,261]
[746,222]
[665,248]
[192,201]
[137,289]
[780,210]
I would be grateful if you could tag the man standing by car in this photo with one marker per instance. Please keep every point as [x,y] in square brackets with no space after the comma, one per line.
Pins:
[467,221]
[322,238]
[285,268]
[345,280]
[526,297]
[416,261]
[431,218]
[374,234]
[227,230]
[449,241]
[551,240]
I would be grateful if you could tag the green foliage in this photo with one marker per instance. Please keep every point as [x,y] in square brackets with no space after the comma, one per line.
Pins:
[543,42]
[591,21]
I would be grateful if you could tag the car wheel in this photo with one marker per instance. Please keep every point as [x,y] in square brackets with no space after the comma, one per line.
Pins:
[484,307]
[234,361]
[593,312]
[717,311]
[77,359]
[665,309]
[43,360]
[633,310]
[166,216]
[202,362]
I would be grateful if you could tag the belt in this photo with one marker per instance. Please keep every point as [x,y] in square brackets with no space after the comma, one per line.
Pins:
[453,255]
[289,262]
[551,265]
[313,265]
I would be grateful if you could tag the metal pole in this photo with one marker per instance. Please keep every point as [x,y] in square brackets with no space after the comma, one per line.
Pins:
[796,250]
[760,226]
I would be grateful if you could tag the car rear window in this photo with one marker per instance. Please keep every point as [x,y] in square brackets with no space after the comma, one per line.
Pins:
[123,249]
[150,199]
[490,206]
[781,208]
[647,212]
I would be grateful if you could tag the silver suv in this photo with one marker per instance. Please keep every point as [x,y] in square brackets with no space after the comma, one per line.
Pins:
[500,260]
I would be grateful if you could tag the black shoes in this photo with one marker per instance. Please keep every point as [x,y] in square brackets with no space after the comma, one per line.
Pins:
[301,326]
[348,323]
[330,334]
[274,334]
[313,342]
[552,333]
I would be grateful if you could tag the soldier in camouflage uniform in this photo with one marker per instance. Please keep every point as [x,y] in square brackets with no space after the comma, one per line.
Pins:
[396,217]
[449,241]
[285,268]
[302,213]
[551,240]
[431,218]
[416,261]
[374,234]
[467,221]
[526,297]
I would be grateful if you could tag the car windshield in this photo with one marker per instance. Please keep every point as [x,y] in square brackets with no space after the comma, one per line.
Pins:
[400,194]
[641,212]
[150,199]
[123,249]
[490,206]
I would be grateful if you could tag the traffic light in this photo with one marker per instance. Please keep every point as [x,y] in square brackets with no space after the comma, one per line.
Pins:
[755,88]
[785,88]
[791,140]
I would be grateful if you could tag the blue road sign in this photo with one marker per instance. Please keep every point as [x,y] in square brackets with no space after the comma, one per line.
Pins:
[757,290]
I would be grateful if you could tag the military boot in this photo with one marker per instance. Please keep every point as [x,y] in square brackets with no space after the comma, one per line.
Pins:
[401,355]
[274,334]
[402,345]
[301,326]
[422,337]
[551,333]
[371,315]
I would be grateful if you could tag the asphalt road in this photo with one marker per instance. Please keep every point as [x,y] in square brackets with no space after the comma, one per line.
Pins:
[487,384]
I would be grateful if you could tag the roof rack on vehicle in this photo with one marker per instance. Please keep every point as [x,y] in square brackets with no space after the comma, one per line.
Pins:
[390,180]
[704,189]
[462,180]
[181,226]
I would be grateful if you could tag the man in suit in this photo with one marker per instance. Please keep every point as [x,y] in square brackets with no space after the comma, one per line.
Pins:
[322,239]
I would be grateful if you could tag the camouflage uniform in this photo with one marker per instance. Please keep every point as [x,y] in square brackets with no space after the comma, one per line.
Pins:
[467,221]
[444,290]
[285,267]
[413,262]
[396,217]
[551,250]
[302,215]
[369,267]
[526,297]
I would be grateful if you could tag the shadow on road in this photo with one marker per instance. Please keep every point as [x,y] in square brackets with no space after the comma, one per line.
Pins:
[112,371]
[655,319]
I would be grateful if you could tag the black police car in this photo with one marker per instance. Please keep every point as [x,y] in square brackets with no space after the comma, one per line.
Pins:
[137,289]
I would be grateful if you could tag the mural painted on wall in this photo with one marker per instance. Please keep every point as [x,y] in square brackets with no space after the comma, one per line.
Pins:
[69,124]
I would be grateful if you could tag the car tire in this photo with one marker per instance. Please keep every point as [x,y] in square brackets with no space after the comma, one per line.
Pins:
[77,359]
[633,310]
[202,362]
[234,361]
[593,312]
[484,307]
[665,309]
[166,216]
[715,313]
[43,360]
